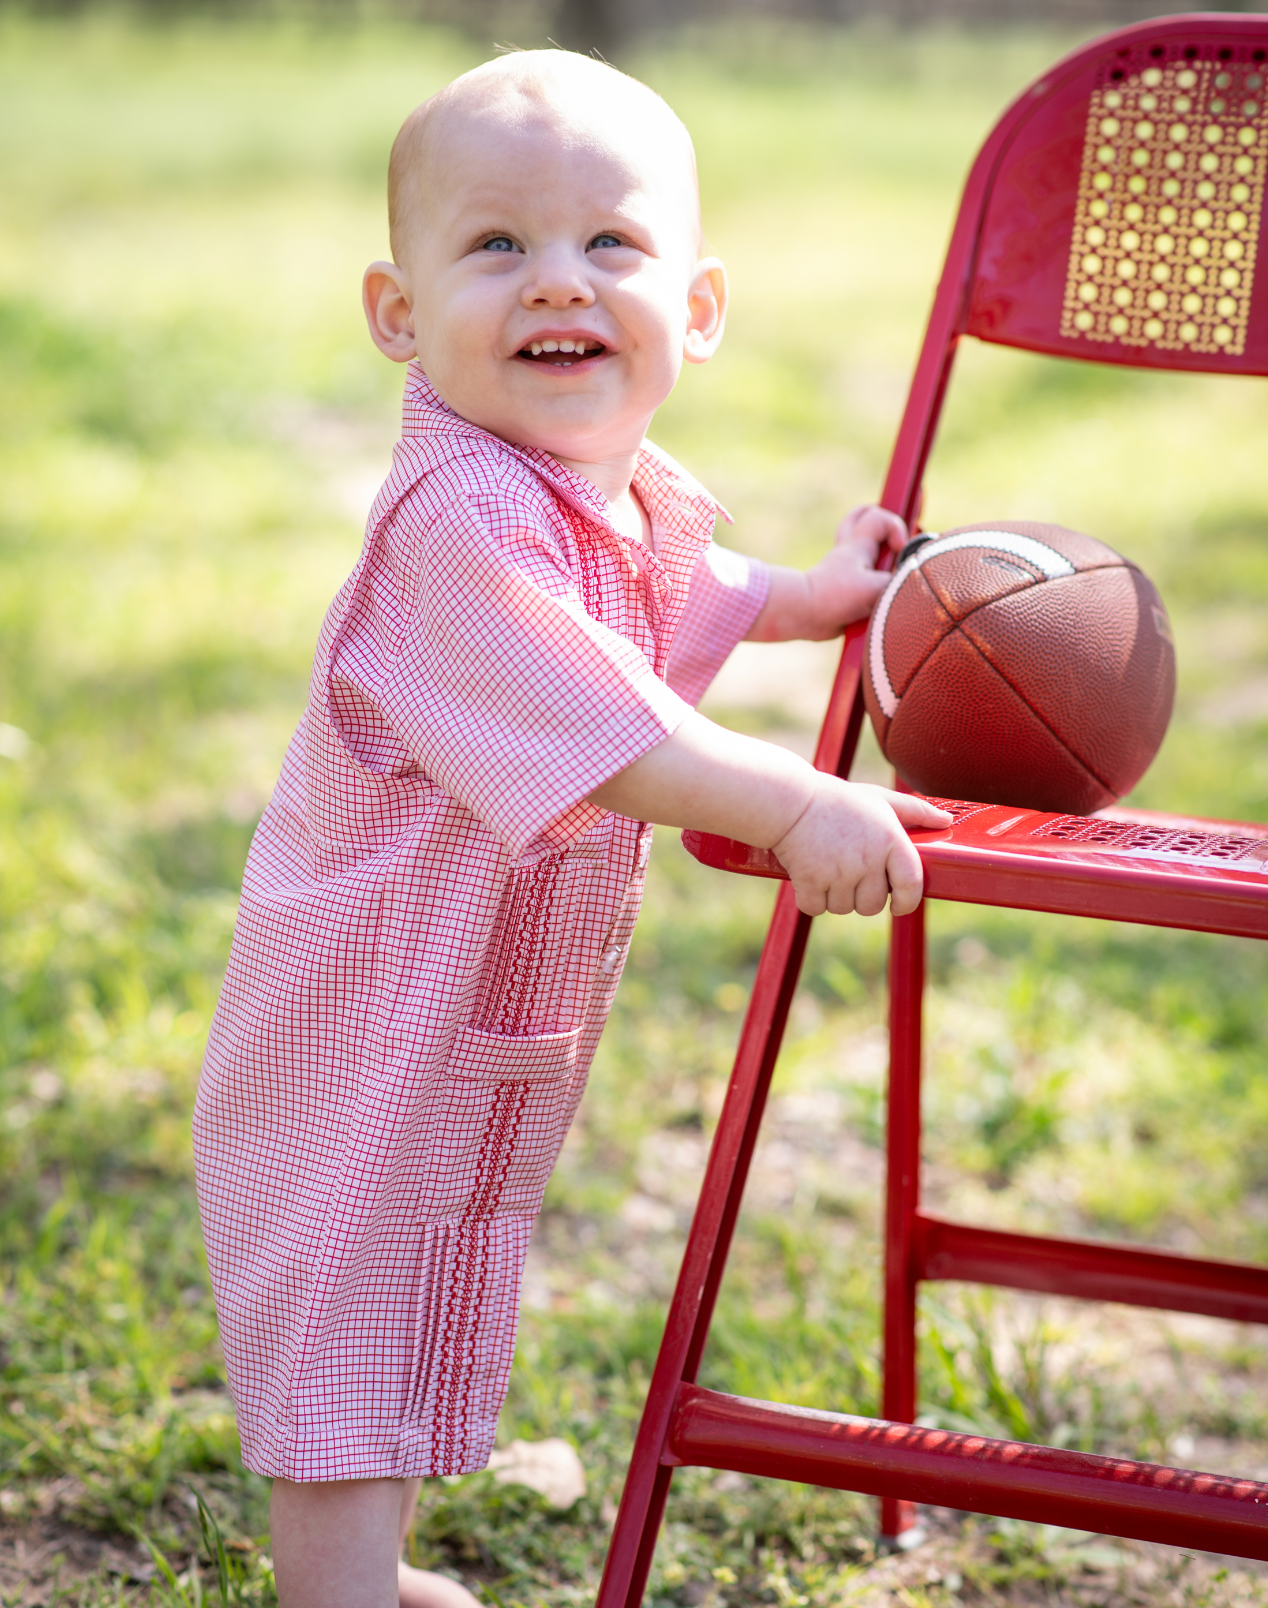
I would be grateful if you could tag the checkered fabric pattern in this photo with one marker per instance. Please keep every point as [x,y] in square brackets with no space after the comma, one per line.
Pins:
[433,924]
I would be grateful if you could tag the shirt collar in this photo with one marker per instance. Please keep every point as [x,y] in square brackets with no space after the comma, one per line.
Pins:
[675,501]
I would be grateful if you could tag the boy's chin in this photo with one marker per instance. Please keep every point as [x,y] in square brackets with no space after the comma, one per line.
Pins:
[567,427]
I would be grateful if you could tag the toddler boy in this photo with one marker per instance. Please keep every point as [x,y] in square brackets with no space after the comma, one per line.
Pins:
[439,897]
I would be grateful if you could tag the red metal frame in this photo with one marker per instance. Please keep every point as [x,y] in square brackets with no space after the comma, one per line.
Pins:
[1004,280]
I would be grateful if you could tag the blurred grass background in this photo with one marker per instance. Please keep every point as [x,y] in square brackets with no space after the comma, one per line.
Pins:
[193,427]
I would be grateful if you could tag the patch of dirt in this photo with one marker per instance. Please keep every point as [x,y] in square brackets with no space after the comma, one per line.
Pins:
[961,1560]
[44,1557]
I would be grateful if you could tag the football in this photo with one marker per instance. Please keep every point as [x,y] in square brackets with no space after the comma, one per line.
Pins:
[1019,663]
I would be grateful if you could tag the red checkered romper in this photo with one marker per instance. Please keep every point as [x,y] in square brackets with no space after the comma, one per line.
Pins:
[433,923]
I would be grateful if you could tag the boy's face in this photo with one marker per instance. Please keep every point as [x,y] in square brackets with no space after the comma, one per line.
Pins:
[532,231]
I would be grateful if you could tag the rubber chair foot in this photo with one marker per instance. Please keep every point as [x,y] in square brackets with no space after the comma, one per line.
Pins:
[904,1541]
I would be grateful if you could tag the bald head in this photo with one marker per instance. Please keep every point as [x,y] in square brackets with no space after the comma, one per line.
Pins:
[586,103]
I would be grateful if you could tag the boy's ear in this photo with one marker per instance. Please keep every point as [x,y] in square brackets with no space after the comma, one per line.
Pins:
[706,300]
[388,300]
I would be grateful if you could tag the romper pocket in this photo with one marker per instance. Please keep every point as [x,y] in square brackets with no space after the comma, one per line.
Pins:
[502,1109]
[478,1054]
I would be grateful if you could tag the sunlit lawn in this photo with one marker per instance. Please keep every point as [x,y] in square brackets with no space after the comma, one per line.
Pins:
[193,426]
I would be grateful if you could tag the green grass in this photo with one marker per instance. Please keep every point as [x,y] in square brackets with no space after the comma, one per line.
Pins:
[191,422]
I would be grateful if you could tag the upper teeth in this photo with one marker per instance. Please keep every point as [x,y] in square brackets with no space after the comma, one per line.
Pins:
[538,347]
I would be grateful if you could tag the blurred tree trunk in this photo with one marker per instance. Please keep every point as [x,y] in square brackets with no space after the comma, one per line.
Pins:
[590,26]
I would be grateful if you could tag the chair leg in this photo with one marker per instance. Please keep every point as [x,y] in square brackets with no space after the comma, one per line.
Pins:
[902,1194]
[704,1259]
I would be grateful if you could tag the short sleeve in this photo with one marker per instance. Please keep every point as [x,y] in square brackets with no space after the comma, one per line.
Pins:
[727,593]
[469,636]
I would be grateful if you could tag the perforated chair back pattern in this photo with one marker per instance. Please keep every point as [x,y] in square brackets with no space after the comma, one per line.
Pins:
[1114,215]
[1125,207]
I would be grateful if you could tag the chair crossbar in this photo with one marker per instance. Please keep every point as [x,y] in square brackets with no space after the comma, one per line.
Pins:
[1130,1275]
[1145,1501]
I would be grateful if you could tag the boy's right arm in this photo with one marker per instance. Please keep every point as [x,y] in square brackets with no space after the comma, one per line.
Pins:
[842,843]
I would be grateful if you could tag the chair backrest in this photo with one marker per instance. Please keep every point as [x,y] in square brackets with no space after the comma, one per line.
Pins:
[1114,214]
[1125,208]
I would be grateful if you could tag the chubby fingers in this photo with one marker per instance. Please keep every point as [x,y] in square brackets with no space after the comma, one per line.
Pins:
[906,877]
[918,812]
[870,893]
[848,850]
[813,898]
[875,526]
[901,879]
[842,897]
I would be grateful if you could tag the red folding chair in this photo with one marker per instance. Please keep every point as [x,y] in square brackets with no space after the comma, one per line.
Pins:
[1112,216]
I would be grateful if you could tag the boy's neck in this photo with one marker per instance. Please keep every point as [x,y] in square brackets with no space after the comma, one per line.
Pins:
[614,476]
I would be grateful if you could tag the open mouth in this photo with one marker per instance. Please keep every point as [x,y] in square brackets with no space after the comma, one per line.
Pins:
[562,353]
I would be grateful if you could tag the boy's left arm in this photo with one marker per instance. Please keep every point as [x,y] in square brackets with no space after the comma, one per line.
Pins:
[843,586]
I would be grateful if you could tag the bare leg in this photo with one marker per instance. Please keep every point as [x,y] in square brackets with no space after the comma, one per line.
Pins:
[420,1588]
[334,1545]
[337,1545]
[410,1490]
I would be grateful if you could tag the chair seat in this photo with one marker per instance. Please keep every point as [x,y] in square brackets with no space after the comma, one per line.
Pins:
[1134,866]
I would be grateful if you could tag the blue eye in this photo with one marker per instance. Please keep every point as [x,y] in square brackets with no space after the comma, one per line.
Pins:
[499,243]
[605,240]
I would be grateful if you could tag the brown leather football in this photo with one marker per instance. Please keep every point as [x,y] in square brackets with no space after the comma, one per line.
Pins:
[1018,663]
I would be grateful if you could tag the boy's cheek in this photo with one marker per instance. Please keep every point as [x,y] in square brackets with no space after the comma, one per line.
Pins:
[463,312]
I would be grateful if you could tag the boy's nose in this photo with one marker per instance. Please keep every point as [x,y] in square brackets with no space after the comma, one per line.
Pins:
[559,281]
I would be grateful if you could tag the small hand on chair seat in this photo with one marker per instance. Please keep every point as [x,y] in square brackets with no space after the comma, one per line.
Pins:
[847,851]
